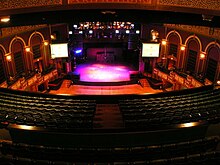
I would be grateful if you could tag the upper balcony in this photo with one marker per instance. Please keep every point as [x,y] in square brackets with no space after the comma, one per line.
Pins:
[199,12]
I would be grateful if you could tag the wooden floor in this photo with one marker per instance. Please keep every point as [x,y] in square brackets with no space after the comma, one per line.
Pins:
[73,89]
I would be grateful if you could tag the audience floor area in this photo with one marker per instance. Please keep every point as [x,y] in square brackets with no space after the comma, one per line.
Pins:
[74,89]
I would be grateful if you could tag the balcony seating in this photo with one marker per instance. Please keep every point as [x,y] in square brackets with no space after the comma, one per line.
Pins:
[156,153]
[172,110]
[155,129]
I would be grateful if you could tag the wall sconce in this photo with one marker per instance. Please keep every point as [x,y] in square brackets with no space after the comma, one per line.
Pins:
[53,37]
[27,49]
[8,58]
[182,48]
[218,82]
[46,43]
[164,42]
[202,56]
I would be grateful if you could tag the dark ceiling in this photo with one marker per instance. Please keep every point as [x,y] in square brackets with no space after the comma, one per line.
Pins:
[138,16]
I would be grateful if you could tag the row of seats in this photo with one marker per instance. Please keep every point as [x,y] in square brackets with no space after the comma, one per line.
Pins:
[147,112]
[46,112]
[128,153]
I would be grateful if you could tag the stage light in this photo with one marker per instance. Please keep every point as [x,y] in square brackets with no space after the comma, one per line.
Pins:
[70,32]
[78,51]
[127,31]
[80,32]
[117,31]
[90,31]
[75,26]
[137,31]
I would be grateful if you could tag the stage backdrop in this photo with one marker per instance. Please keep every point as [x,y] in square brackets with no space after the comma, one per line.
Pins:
[105,55]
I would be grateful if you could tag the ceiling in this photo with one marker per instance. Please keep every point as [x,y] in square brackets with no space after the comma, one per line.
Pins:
[132,15]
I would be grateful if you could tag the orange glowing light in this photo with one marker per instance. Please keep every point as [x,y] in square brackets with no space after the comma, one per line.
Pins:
[202,56]
[164,42]
[8,58]
[27,49]
[182,48]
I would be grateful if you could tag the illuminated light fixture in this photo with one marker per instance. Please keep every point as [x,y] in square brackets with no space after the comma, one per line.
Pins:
[182,48]
[78,51]
[164,42]
[75,26]
[80,32]
[218,82]
[90,31]
[202,56]
[45,43]
[127,31]
[186,125]
[53,36]
[137,32]
[8,58]
[27,49]
[26,127]
[117,31]
[5,19]
[70,32]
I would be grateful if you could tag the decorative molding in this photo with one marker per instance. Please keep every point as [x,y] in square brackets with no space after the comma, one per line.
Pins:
[14,4]
[110,1]
[202,30]
[201,4]
[10,31]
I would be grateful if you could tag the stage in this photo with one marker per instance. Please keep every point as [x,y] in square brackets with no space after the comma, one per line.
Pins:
[104,74]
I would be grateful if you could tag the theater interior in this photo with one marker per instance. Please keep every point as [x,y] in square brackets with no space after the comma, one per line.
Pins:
[109,82]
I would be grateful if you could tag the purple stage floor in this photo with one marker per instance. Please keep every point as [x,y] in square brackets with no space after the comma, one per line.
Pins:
[103,72]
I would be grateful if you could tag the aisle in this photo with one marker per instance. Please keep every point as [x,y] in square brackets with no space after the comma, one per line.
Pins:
[108,116]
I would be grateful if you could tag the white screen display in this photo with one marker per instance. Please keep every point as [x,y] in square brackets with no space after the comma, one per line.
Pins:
[150,49]
[59,50]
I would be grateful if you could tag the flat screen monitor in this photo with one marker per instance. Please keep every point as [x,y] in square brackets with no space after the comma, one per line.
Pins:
[59,50]
[150,50]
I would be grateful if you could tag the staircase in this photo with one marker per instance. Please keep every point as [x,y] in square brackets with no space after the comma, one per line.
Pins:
[108,116]
[144,83]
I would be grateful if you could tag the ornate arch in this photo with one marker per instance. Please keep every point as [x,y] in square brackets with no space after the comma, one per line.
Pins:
[33,34]
[210,44]
[195,38]
[176,33]
[15,39]
[3,48]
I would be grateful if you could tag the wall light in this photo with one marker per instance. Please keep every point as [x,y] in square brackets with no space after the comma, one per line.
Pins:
[5,19]
[46,43]
[27,49]
[202,56]
[164,42]
[182,48]
[8,58]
